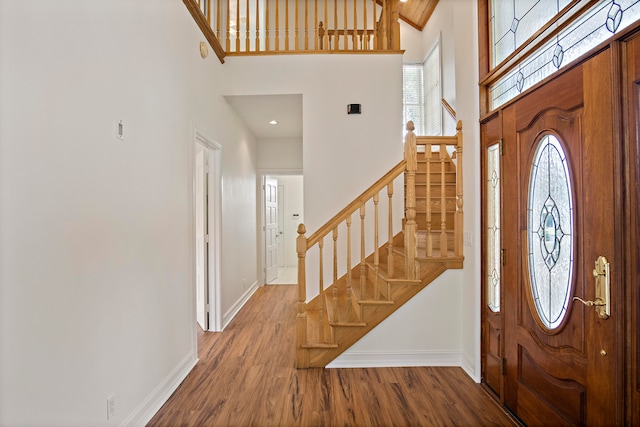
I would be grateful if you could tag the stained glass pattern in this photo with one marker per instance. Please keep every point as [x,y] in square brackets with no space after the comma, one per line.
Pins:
[493,227]
[595,26]
[514,21]
[550,232]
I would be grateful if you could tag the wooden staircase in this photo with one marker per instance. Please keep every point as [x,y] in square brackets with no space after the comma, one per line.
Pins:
[428,243]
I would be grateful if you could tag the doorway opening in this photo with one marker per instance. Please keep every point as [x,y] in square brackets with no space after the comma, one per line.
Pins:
[283,211]
[207,213]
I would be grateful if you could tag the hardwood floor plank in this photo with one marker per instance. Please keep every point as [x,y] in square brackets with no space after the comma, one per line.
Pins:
[246,376]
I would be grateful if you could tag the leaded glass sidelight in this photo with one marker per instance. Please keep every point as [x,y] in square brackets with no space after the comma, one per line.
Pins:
[550,232]
[493,227]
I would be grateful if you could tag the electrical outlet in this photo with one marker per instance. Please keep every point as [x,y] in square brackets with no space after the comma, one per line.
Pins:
[468,238]
[111,406]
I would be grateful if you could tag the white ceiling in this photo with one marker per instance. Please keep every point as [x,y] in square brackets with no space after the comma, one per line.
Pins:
[257,110]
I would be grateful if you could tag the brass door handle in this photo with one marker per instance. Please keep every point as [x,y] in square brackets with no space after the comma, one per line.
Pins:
[601,273]
[589,303]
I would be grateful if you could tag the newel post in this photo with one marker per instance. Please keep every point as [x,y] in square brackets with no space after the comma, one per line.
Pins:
[410,229]
[458,246]
[302,354]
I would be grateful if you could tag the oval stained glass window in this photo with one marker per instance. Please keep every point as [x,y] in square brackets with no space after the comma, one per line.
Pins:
[550,232]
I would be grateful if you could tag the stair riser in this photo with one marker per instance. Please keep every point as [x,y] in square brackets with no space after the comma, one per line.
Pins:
[435,178]
[421,191]
[436,205]
[436,218]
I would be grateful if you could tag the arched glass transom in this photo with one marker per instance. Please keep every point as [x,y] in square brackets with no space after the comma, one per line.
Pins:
[550,232]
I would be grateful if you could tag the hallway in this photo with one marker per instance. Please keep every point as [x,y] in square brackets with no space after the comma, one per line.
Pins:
[286,276]
[246,377]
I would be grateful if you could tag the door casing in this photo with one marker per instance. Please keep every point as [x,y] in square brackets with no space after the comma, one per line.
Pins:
[214,216]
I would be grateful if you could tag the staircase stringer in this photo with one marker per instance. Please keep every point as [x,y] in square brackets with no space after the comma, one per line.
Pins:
[375,312]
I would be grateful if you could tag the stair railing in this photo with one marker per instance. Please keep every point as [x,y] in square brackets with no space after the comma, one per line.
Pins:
[250,27]
[441,151]
[343,220]
[448,150]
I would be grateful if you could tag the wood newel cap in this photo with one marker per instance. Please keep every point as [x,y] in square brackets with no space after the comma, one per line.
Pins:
[411,127]
[301,243]
[301,229]
[459,126]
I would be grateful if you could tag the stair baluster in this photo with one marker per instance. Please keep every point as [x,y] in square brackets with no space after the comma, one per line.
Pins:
[349,273]
[444,252]
[363,264]
[335,272]
[429,240]
[410,229]
[376,247]
[323,301]
[459,216]
[390,266]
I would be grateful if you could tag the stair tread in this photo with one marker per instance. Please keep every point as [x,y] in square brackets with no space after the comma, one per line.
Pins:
[376,302]
[319,345]
[340,310]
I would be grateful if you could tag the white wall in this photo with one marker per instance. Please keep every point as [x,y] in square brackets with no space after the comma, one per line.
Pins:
[467,106]
[96,234]
[280,154]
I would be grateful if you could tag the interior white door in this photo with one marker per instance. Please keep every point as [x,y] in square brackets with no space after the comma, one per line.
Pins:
[271,228]
[202,284]
[281,227]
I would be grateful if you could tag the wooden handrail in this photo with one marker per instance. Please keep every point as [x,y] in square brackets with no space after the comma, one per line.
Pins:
[356,203]
[204,25]
[449,109]
[436,140]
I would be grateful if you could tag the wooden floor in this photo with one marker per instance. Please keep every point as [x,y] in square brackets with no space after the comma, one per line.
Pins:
[246,377]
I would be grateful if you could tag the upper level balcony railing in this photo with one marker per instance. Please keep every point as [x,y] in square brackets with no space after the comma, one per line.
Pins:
[255,27]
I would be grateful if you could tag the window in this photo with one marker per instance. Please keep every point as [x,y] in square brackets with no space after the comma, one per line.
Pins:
[413,96]
[422,94]
[432,92]
[604,18]
[550,232]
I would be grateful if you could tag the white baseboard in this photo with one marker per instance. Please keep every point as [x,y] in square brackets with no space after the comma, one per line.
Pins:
[370,359]
[231,313]
[469,366]
[152,404]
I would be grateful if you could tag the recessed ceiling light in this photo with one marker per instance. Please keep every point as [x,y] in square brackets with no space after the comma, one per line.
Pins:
[273,122]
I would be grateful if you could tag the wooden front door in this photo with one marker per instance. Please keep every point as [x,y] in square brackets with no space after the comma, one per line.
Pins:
[562,362]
